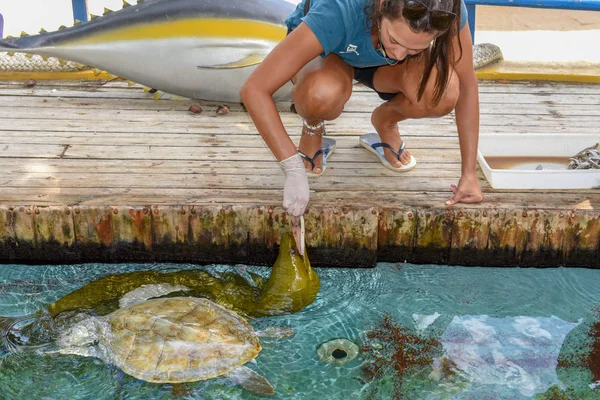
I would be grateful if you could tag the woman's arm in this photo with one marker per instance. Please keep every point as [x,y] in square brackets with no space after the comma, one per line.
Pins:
[467,123]
[286,59]
[283,63]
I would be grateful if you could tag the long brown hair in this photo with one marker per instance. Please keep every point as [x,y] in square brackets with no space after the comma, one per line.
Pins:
[441,53]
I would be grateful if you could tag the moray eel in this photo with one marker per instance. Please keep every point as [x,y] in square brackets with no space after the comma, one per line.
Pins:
[292,285]
[202,49]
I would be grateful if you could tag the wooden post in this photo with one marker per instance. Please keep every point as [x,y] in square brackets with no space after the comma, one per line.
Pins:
[80,10]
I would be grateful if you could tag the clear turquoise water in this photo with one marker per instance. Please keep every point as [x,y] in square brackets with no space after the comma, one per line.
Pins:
[504,330]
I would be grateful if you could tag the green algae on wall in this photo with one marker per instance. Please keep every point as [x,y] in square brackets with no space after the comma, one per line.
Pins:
[335,236]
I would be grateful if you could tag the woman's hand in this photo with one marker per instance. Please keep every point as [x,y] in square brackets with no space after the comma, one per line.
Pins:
[467,191]
[296,192]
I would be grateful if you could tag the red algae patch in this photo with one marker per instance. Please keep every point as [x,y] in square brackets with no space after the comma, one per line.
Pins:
[593,359]
[393,351]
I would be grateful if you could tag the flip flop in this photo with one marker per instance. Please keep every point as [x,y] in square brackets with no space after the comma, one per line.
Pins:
[327,148]
[373,143]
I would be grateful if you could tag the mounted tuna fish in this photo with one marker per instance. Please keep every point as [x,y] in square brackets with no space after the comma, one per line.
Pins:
[203,49]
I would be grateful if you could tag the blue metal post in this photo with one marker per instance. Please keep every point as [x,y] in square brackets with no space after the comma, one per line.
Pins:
[1,26]
[590,5]
[80,10]
[471,12]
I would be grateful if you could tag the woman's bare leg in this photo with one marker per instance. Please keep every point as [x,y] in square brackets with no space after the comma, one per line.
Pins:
[322,88]
[405,79]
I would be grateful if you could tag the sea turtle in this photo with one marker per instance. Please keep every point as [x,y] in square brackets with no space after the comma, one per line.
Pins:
[173,340]
[292,285]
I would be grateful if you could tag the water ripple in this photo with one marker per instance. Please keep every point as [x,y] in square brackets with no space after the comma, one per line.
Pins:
[32,376]
[349,302]
[346,291]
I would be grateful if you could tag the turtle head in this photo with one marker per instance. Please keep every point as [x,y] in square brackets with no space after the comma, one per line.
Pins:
[293,283]
[81,334]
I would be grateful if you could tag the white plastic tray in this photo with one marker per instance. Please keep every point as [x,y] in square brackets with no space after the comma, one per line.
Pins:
[537,145]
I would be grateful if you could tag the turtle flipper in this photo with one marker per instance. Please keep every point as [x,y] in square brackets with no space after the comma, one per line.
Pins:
[78,351]
[251,381]
[146,292]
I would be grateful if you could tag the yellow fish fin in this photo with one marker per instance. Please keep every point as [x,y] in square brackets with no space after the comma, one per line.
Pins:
[158,95]
[248,61]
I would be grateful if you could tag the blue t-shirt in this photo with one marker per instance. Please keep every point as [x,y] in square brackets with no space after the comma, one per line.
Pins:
[341,28]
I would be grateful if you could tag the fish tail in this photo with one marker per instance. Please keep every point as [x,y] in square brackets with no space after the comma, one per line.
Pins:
[22,43]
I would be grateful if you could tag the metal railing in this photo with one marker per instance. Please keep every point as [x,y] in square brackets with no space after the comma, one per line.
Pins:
[80,10]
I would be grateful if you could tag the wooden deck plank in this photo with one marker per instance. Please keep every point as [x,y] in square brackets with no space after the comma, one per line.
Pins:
[360,103]
[187,141]
[565,94]
[176,114]
[204,153]
[388,196]
[418,184]
[351,127]
[337,129]
[104,144]
[537,87]
[502,99]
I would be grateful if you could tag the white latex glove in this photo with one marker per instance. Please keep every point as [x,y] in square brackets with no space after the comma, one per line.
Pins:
[295,191]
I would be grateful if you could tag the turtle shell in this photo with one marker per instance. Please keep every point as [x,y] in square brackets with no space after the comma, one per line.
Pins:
[180,339]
